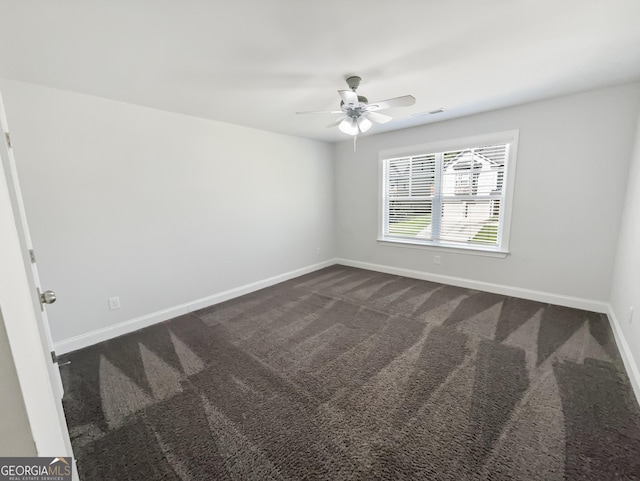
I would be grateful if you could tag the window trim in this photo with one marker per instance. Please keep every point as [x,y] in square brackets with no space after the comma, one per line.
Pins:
[502,250]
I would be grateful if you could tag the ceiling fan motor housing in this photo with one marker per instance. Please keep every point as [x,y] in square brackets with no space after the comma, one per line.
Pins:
[362,101]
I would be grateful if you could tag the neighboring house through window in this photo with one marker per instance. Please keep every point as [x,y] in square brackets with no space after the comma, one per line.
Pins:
[454,194]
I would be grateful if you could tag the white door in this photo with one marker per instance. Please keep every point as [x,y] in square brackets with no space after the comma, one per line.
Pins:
[24,314]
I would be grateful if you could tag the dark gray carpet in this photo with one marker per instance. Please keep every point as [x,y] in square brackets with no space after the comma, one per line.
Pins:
[351,374]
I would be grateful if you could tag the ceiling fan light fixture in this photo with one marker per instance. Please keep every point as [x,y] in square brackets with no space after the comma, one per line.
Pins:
[349,126]
[364,124]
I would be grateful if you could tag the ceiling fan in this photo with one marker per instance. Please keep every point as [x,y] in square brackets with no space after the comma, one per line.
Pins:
[358,113]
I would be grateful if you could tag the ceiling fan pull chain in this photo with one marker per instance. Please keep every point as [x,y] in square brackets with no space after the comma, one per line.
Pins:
[354,142]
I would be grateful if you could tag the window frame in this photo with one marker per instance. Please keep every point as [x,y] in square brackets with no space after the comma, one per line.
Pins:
[505,137]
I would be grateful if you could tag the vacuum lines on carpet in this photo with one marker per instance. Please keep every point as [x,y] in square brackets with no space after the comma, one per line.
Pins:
[349,374]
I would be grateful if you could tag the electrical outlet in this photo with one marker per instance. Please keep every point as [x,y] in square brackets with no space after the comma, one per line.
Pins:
[630,314]
[318,251]
[114,303]
[436,259]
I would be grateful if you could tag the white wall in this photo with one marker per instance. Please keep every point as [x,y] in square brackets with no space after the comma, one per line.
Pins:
[572,166]
[625,291]
[159,208]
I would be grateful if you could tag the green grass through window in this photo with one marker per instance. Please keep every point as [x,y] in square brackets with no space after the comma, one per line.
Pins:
[488,234]
[410,226]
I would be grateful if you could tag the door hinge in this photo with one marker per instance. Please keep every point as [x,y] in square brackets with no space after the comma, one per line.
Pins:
[32,256]
[8,137]
[55,359]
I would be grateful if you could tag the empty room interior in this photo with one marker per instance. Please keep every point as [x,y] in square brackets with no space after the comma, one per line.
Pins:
[280,240]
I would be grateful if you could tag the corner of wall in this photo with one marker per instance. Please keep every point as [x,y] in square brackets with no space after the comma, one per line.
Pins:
[630,364]
[625,279]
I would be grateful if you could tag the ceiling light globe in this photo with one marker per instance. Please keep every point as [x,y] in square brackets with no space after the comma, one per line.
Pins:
[349,126]
[364,124]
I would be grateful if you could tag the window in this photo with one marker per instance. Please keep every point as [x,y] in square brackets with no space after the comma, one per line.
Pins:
[455,194]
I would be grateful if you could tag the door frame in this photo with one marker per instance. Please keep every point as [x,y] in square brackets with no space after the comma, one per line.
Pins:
[25,334]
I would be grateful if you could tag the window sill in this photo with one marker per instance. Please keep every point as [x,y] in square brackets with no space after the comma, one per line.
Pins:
[443,248]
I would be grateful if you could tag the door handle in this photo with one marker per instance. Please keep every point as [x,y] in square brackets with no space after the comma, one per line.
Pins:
[46,297]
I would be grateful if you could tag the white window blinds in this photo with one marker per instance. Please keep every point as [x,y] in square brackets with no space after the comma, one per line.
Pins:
[453,198]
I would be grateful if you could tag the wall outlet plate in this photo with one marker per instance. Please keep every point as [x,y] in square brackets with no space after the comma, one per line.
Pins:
[114,303]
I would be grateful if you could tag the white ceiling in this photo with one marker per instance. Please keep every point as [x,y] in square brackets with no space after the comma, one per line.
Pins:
[257,62]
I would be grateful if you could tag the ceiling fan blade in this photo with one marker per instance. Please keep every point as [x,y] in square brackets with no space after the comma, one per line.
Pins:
[322,112]
[378,118]
[404,101]
[336,122]
[349,97]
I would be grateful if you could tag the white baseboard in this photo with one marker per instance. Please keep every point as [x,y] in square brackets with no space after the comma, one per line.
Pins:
[100,335]
[540,296]
[633,370]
